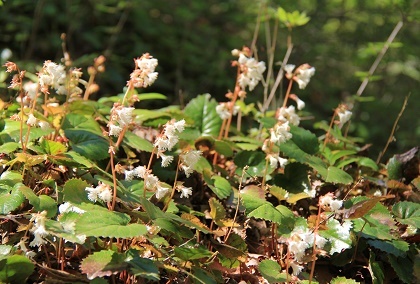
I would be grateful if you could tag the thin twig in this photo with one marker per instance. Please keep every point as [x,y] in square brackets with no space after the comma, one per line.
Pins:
[379,57]
[391,136]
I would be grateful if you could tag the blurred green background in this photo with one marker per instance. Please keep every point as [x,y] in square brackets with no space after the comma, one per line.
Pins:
[192,40]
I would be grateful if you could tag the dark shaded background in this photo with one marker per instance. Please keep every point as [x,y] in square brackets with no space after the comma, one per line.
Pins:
[192,40]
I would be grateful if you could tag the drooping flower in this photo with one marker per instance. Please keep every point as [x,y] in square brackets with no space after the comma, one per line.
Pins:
[328,201]
[280,133]
[31,120]
[276,160]
[125,115]
[343,116]
[68,207]
[161,190]
[223,110]
[185,191]
[38,229]
[288,114]
[251,71]
[166,159]
[296,268]
[301,239]
[101,192]
[303,75]
[189,159]
[169,137]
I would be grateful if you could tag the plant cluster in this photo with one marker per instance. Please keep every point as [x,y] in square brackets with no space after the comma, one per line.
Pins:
[99,191]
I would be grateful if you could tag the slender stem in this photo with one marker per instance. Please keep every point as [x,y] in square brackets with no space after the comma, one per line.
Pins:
[329,130]
[286,97]
[114,177]
[90,82]
[173,187]
[391,135]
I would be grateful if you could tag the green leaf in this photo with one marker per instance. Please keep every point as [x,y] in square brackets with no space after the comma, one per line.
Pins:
[268,212]
[9,147]
[141,267]
[336,175]
[217,211]
[403,266]
[395,168]
[145,114]
[81,122]
[343,280]
[223,148]
[137,142]
[10,198]
[103,263]
[190,252]
[52,147]
[338,238]
[252,197]
[40,203]
[305,140]
[367,162]
[74,191]
[407,213]
[15,269]
[295,178]
[271,271]
[254,160]
[87,144]
[104,223]
[202,110]
[221,187]
[151,96]
[398,248]
[232,252]
[76,157]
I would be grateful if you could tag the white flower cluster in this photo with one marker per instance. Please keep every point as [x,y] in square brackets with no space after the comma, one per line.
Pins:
[144,75]
[276,160]
[101,192]
[38,229]
[54,75]
[168,139]
[120,117]
[302,74]
[68,207]
[343,231]
[151,182]
[288,115]
[250,70]
[223,110]
[329,202]
[301,239]
[189,159]
[280,133]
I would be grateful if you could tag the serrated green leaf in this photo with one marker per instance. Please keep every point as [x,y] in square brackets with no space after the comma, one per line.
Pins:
[103,263]
[217,211]
[15,269]
[81,122]
[104,223]
[202,276]
[221,187]
[74,191]
[295,178]
[254,160]
[271,271]
[9,147]
[10,198]
[52,147]
[12,128]
[336,175]
[232,252]
[343,280]
[40,203]
[141,267]
[398,248]
[202,110]
[252,197]
[87,144]
[137,142]
[403,266]
[407,213]
[305,140]
[76,157]
[223,148]
[268,212]
[190,252]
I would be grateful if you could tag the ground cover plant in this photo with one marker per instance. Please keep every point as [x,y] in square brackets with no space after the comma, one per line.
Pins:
[107,191]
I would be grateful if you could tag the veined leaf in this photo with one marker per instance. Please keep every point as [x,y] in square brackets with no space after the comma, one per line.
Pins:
[271,271]
[407,213]
[103,263]
[52,147]
[191,252]
[40,203]
[87,144]
[10,198]
[202,110]
[141,267]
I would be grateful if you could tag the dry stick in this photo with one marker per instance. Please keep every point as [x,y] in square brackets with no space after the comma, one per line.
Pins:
[278,79]
[379,58]
[314,245]
[391,135]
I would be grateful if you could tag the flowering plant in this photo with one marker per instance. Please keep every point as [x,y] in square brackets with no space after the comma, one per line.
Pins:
[111,191]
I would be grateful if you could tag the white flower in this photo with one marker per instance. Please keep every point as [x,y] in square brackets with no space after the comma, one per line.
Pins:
[190,158]
[140,171]
[343,117]
[280,133]
[288,114]
[31,89]
[296,268]
[5,54]
[144,75]
[187,170]
[300,104]
[301,239]
[223,110]
[311,192]
[102,192]
[150,181]
[39,229]
[161,190]
[180,125]
[68,207]
[125,115]
[31,120]
[185,191]
[251,72]
[166,159]
[44,125]
[170,135]
[114,130]
[276,160]
[304,76]
[289,69]
[53,75]
[337,245]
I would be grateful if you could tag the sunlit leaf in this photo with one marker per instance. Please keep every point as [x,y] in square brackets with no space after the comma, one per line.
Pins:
[9,147]
[254,160]
[10,198]
[394,247]
[136,142]
[407,213]
[191,252]
[74,191]
[343,280]
[220,186]
[40,203]
[271,271]
[103,263]
[52,147]
[336,175]
[217,211]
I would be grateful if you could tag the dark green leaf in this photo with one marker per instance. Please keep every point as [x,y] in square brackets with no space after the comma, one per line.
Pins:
[103,263]
[403,266]
[254,160]
[87,144]
[136,142]
[394,247]
[189,252]
[141,267]
[271,271]
[15,269]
